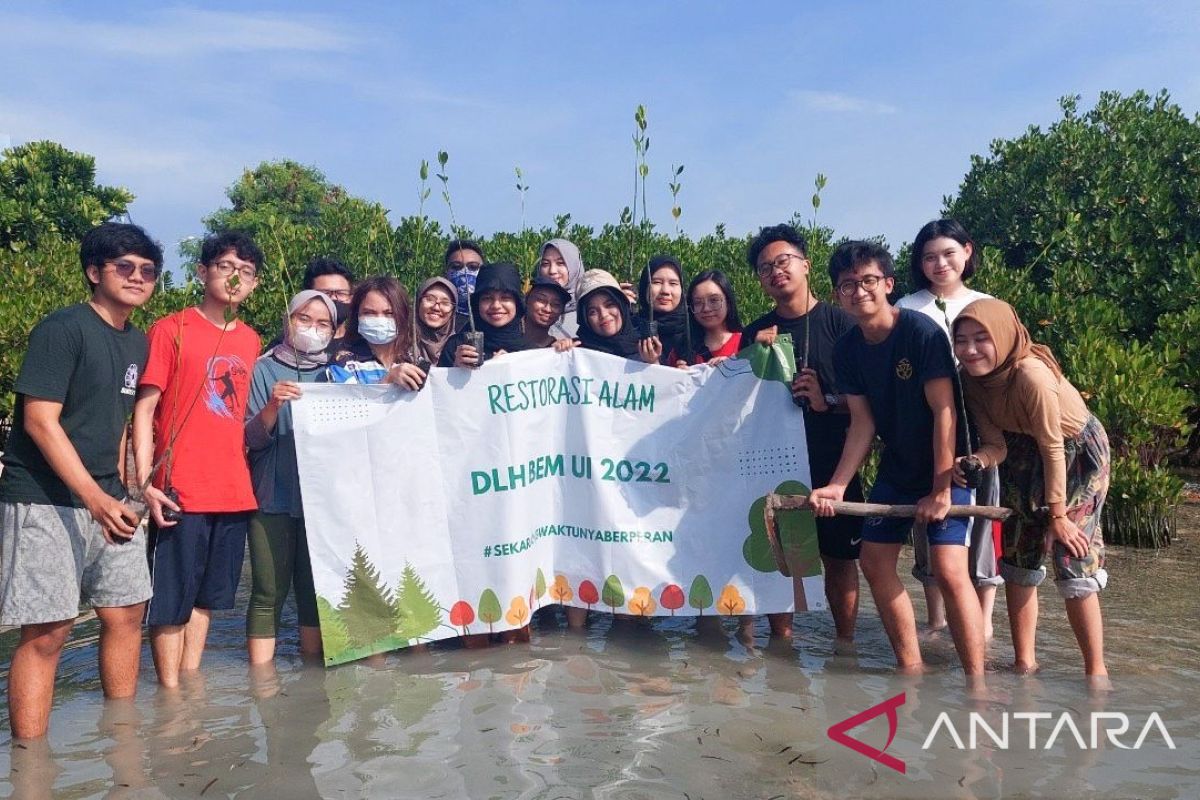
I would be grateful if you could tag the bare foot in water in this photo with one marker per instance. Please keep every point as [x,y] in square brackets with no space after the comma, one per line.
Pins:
[1022,668]
[844,647]
[1099,684]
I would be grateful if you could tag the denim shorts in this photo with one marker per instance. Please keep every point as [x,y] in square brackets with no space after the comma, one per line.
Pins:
[889,530]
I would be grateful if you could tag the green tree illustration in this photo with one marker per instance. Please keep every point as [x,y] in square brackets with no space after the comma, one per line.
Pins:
[489,608]
[700,594]
[539,586]
[334,638]
[613,594]
[797,537]
[366,607]
[415,611]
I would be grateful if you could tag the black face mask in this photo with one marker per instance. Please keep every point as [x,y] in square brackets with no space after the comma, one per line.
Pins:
[343,310]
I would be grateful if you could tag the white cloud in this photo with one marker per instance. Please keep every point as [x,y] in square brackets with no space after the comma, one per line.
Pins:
[841,103]
[182,32]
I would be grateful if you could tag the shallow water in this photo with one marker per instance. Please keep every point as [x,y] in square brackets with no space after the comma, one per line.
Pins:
[633,711]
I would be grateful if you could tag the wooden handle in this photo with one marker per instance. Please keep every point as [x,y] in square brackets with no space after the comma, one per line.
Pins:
[797,502]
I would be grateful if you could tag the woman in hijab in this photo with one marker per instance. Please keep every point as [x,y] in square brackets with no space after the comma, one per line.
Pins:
[498,305]
[278,547]
[378,346]
[435,318]
[604,319]
[660,300]
[1054,471]
[560,261]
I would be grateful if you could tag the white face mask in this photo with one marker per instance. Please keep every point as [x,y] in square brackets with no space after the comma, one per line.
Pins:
[377,330]
[310,340]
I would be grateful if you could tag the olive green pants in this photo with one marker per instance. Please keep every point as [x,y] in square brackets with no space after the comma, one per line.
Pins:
[278,561]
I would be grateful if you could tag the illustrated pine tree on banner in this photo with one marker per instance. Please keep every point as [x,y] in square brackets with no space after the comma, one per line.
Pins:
[366,607]
[334,638]
[415,610]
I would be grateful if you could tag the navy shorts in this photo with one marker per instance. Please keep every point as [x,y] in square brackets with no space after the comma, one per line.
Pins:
[886,530]
[195,563]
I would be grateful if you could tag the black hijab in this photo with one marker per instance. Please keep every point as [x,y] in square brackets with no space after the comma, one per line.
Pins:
[624,342]
[502,277]
[673,324]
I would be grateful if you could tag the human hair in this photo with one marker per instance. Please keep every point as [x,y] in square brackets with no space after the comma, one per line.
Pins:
[462,244]
[951,229]
[218,244]
[733,322]
[397,297]
[111,240]
[775,233]
[849,256]
[324,265]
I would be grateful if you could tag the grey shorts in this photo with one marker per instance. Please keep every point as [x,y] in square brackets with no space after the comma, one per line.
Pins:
[54,557]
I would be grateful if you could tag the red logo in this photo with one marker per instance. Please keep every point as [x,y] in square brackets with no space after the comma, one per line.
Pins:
[837,732]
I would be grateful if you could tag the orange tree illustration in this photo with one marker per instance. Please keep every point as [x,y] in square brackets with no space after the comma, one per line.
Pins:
[730,602]
[518,612]
[560,590]
[641,603]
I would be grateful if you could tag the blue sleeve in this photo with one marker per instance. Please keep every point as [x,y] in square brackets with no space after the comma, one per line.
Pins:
[50,360]
[845,365]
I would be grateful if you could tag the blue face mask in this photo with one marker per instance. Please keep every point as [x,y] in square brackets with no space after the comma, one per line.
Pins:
[377,330]
[464,282]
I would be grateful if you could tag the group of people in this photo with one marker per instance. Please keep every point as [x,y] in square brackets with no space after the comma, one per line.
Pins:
[967,407]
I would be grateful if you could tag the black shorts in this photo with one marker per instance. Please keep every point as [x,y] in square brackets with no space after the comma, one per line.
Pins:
[195,563]
[841,536]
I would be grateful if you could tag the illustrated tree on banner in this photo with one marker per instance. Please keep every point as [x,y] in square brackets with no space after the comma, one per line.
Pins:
[415,610]
[366,607]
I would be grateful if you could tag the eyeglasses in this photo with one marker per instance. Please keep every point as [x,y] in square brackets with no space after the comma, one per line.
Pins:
[228,268]
[434,302]
[125,269]
[465,264]
[780,262]
[869,282]
[337,294]
[714,302]
[319,324]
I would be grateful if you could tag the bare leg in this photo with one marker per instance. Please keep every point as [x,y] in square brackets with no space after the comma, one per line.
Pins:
[878,563]
[962,604]
[987,605]
[166,645]
[261,649]
[781,624]
[310,641]
[120,649]
[1084,614]
[841,590]
[576,617]
[31,677]
[195,633]
[935,606]
[1022,621]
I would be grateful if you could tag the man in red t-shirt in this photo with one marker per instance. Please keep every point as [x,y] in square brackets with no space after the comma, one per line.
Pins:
[188,426]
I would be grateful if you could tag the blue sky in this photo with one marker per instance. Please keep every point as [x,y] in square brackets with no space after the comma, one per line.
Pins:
[174,101]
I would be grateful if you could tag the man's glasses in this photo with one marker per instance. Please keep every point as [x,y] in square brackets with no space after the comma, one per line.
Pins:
[778,263]
[227,268]
[125,269]
[715,302]
[869,282]
[472,265]
[337,294]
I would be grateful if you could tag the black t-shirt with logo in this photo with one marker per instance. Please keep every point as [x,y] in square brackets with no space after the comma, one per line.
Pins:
[825,432]
[77,359]
[892,376]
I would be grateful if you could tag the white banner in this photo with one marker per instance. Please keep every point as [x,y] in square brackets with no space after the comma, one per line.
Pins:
[576,478]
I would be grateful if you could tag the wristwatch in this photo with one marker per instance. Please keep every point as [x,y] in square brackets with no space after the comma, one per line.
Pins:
[833,400]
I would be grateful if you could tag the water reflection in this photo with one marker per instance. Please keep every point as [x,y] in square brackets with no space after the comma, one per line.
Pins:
[637,709]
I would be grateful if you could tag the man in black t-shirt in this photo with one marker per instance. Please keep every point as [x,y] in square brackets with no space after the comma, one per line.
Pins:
[779,256]
[65,533]
[898,375]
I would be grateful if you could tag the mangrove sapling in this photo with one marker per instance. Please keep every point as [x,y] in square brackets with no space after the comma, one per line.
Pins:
[674,185]
[971,465]
[442,176]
